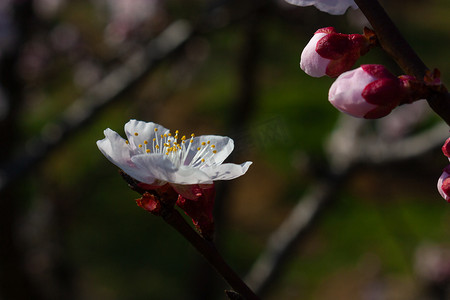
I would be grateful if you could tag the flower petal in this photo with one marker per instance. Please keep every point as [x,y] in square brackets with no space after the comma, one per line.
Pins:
[227,171]
[310,61]
[145,132]
[114,147]
[223,146]
[161,167]
[333,7]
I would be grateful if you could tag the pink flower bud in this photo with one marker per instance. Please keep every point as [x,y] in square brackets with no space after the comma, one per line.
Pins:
[443,184]
[331,53]
[370,92]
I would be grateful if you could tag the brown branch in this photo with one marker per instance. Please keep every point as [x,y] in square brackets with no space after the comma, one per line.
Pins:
[393,42]
[210,253]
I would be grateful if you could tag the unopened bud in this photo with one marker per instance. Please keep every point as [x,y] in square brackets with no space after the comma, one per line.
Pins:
[331,53]
[443,184]
[370,92]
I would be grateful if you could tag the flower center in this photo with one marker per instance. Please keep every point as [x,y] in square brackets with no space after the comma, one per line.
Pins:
[177,149]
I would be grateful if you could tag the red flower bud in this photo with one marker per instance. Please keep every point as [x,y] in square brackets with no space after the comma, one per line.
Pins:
[443,184]
[331,53]
[370,92]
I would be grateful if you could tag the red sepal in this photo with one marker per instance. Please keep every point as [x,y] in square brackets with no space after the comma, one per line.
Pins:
[384,91]
[446,148]
[325,30]
[201,210]
[150,203]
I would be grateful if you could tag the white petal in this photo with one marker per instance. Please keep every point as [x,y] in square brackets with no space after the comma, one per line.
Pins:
[222,144]
[333,7]
[162,168]
[311,62]
[145,131]
[227,171]
[114,147]
[346,92]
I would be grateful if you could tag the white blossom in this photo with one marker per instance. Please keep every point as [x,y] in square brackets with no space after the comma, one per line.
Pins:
[153,155]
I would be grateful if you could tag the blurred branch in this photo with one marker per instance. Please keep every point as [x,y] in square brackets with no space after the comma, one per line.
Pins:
[347,151]
[96,98]
[306,213]
[117,83]
[15,281]
[395,45]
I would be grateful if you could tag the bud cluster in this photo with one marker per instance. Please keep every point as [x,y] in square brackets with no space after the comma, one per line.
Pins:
[369,91]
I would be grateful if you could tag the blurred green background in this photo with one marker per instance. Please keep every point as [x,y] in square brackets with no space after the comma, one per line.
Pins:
[81,229]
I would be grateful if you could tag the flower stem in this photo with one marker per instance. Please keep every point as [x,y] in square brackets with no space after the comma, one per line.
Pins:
[393,42]
[209,252]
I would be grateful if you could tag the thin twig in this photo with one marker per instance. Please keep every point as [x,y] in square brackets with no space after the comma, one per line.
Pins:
[210,253]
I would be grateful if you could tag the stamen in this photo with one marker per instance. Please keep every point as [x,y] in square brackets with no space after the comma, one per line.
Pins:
[136,134]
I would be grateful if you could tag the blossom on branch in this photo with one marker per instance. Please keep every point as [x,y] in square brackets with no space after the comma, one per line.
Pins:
[370,92]
[177,168]
[331,53]
[333,7]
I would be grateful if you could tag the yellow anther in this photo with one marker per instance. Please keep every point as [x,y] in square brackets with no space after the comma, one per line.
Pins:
[198,148]
[203,144]
[157,147]
[140,146]
[183,137]
[145,142]
[165,135]
[127,142]
[203,160]
[154,139]
[148,150]
[169,134]
[191,141]
[208,142]
[136,134]
[176,131]
[213,146]
[192,135]
[214,151]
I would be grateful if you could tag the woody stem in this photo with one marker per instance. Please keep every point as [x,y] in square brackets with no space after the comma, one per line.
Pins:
[210,253]
[393,42]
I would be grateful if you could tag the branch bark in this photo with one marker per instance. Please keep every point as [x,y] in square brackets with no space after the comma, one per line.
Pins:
[393,42]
